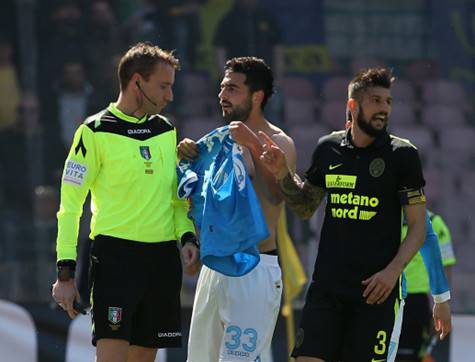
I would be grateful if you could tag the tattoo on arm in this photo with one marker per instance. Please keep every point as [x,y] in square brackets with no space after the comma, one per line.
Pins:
[301,196]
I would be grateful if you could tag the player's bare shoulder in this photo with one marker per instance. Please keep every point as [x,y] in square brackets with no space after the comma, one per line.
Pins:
[285,143]
[282,139]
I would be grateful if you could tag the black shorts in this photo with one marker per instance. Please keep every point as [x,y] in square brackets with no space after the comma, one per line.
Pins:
[415,333]
[136,292]
[344,328]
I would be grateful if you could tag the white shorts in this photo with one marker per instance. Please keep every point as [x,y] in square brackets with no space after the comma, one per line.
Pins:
[234,317]
[394,342]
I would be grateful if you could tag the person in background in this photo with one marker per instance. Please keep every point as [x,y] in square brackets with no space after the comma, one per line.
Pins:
[416,326]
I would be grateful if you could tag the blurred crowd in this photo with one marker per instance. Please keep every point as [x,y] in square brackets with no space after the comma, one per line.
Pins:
[78,45]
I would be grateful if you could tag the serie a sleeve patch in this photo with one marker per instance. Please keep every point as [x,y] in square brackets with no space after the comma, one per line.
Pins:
[74,173]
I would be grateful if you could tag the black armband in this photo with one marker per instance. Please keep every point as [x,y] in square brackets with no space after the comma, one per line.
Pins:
[412,196]
[65,270]
[189,237]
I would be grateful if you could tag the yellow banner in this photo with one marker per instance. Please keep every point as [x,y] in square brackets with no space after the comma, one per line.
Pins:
[309,58]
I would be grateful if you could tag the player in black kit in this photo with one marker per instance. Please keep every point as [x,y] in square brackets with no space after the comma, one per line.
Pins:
[353,309]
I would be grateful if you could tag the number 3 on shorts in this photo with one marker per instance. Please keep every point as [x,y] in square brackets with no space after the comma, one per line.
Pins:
[380,347]
[234,333]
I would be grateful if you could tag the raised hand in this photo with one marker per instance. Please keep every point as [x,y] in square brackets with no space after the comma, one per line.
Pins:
[243,135]
[273,157]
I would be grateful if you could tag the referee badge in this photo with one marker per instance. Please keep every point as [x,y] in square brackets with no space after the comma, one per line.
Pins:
[145,152]
[376,167]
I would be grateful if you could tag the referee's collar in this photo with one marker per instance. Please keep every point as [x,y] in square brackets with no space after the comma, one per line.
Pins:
[379,141]
[125,117]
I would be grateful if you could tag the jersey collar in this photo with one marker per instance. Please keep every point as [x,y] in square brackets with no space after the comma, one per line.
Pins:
[125,117]
[378,142]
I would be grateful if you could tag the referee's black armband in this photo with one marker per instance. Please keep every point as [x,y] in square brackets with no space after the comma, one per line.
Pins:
[189,237]
[65,269]
[412,196]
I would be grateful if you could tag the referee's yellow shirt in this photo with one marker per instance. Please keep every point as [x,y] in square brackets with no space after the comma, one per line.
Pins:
[129,165]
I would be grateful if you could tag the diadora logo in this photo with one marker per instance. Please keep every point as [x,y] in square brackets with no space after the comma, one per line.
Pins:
[169,334]
[138,131]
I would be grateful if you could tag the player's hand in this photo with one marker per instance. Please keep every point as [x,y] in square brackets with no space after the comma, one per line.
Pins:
[243,135]
[65,293]
[442,318]
[273,157]
[187,149]
[380,285]
[191,261]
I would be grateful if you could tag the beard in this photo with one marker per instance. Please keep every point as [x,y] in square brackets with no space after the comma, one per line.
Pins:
[368,128]
[239,112]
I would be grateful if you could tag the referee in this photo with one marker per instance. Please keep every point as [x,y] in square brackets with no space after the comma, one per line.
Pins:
[126,157]
[353,309]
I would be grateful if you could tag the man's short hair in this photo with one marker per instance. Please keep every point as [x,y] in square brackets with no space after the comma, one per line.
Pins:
[142,58]
[367,78]
[258,75]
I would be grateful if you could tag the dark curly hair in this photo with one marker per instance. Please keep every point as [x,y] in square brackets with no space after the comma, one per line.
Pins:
[258,75]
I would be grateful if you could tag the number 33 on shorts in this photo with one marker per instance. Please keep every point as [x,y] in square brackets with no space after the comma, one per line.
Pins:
[239,342]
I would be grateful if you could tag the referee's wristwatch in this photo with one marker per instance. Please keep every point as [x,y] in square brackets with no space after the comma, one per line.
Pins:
[65,269]
[189,237]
